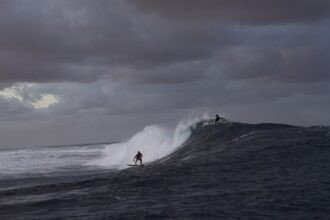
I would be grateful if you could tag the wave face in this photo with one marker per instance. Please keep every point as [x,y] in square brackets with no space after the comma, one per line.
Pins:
[153,141]
[222,171]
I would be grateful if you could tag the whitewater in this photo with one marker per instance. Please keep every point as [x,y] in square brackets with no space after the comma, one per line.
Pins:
[197,170]
[155,141]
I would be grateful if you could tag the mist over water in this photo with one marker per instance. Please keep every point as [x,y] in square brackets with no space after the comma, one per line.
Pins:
[153,141]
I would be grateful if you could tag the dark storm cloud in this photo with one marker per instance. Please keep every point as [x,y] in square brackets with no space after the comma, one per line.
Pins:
[287,53]
[154,61]
[304,63]
[240,11]
[83,40]
[44,41]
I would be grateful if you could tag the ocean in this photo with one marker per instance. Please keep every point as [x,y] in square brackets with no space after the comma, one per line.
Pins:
[198,170]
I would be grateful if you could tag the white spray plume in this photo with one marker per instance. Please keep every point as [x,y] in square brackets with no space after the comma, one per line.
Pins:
[154,142]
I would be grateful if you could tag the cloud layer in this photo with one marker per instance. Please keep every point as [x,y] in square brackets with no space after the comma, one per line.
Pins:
[123,61]
[240,11]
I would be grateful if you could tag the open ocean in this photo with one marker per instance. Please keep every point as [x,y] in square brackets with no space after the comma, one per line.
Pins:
[204,171]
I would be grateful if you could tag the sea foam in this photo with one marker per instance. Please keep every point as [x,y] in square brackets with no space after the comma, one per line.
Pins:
[153,141]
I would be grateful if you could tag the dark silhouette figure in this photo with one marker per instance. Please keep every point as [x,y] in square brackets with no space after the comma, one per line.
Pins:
[138,157]
[218,118]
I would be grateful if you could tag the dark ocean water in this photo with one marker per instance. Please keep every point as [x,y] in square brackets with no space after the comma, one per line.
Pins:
[223,171]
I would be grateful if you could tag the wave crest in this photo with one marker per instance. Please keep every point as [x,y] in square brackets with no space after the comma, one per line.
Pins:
[153,141]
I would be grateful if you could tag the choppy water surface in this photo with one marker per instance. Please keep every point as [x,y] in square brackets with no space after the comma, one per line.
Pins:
[222,171]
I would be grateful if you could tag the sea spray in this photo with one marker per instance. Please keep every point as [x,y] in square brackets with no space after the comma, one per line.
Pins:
[153,141]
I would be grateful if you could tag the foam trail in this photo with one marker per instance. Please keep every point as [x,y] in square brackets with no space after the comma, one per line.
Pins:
[153,141]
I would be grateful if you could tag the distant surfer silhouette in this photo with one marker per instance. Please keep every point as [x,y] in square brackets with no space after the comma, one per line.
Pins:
[138,157]
[218,118]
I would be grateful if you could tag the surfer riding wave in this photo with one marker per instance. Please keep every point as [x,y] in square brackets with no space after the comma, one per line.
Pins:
[138,157]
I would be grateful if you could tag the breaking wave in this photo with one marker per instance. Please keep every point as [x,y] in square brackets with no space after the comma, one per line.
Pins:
[153,141]
[227,170]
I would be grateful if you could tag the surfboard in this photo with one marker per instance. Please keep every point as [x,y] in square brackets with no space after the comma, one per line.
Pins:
[133,165]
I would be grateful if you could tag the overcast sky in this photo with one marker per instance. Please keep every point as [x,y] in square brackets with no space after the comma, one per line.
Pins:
[77,71]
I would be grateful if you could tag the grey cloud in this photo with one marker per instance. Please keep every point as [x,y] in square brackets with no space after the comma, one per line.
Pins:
[12,108]
[239,11]
[104,110]
[83,41]
[39,43]
[290,53]
[304,63]
[109,61]
[174,73]
[117,98]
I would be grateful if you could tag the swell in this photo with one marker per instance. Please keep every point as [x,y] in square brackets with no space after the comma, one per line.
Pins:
[207,144]
[206,138]
[226,170]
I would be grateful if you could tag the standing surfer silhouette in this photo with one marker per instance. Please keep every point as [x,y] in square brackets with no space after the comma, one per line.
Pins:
[138,157]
